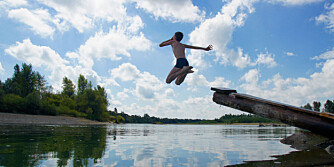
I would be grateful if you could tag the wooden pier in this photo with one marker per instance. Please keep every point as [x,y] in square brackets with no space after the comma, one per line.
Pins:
[317,122]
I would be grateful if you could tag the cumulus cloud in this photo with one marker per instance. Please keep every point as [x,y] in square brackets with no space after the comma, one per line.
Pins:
[2,71]
[125,72]
[81,14]
[148,86]
[39,55]
[43,56]
[327,18]
[195,80]
[326,55]
[172,10]
[289,54]
[152,96]
[218,32]
[266,59]
[124,94]
[252,76]
[295,91]
[294,2]
[109,45]
[220,82]
[38,20]
[7,4]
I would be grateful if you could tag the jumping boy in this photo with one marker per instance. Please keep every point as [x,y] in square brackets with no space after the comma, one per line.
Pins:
[182,68]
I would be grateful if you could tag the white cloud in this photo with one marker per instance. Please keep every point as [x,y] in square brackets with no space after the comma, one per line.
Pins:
[295,91]
[125,72]
[109,45]
[43,56]
[148,86]
[289,53]
[172,10]
[218,32]
[38,55]
[221,82]
[326,55]
[81,14]
[294,2]
[195,80]
[156,98]
[266,59]
[123,95]
[328,17]
[13,3]
[2,71]
[38,20]
[252,76]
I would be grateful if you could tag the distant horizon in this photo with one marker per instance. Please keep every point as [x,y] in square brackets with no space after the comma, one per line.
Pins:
[281,50]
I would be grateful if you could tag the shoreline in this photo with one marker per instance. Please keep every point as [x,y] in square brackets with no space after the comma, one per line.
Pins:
[10,118]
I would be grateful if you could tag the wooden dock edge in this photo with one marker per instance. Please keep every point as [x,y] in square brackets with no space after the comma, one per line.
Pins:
[316,122]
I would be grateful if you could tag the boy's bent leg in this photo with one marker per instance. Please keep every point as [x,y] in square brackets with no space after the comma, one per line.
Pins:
[172,75]
[181,77]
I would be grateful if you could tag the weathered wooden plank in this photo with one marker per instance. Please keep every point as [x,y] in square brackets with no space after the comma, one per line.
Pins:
[319,123]
[224,90]
[287,106]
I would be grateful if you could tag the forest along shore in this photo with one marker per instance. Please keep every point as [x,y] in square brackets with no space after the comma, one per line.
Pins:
[9,118]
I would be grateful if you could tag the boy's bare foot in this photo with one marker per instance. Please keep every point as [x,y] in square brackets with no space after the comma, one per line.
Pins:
[184,70]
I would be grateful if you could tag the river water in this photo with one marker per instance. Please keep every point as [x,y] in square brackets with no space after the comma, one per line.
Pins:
[147,145]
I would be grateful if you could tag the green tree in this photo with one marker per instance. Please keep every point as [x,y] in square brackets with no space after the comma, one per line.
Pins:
[39,82]
[28,80]
[12,103]
[24,81]
[68,87]
[32,105]
[119,119]
[329,106]
[308,106]
[82,84]
[316,106]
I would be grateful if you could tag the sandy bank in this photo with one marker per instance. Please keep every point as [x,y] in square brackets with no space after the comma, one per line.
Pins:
[9,118]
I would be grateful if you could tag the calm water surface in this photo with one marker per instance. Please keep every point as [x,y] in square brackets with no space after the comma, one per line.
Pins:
[142,145]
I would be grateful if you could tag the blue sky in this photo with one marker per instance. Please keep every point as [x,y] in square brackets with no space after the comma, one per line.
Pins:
[282,50]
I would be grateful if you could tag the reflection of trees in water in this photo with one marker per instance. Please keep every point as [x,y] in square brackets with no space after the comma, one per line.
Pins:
[27,145]
[311,152]
[313,157]
[259,132]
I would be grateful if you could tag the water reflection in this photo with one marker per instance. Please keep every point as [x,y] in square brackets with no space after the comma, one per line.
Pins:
[313,157]
[193,145]
[150,145]
[42,145]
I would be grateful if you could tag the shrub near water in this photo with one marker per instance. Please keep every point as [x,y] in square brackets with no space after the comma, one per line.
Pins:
[26,92]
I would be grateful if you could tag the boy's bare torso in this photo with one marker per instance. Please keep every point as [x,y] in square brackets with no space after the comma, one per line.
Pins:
[178,49]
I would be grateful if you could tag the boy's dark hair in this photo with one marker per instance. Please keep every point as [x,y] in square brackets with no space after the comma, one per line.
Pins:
[178,36]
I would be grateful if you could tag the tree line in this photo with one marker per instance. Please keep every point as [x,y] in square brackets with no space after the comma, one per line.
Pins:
[26,92]
[328,106]
[226,119]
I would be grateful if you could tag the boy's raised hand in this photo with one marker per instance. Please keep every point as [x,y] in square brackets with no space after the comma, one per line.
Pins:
[210,47]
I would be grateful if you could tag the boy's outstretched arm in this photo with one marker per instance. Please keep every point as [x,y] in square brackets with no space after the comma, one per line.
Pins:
[196,47]
[165,43]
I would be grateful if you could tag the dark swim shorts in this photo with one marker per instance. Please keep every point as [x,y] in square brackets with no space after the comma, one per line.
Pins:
[180,62]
